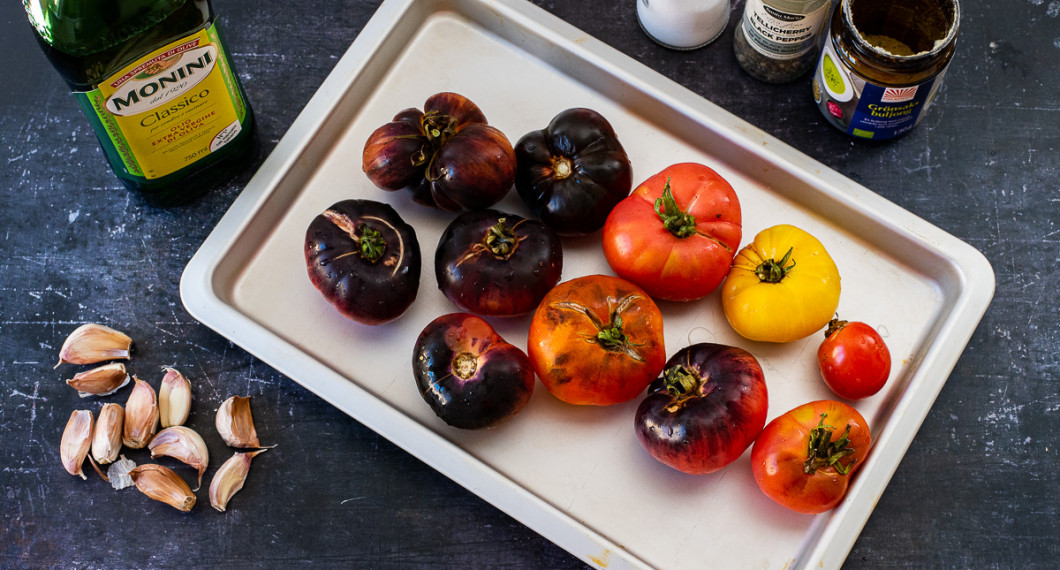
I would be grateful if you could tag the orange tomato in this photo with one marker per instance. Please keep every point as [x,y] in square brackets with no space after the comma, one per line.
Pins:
[597,340]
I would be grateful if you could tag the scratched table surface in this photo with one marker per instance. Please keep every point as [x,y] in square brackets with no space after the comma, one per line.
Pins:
[979,487]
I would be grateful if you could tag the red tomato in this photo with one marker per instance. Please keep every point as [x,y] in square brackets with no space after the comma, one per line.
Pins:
[596,340]
[805,458]
[854,360]
[676,234]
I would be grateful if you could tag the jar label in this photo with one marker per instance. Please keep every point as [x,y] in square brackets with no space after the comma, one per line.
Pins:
[865,109]
[170,108]
[782,35]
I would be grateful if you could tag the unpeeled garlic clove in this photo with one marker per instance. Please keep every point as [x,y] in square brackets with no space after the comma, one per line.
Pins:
[235,423]
[230,477]
[174,399]
[162,484]
[77,438]
[183,444]
[100,381]
[141,415]
[91,343]
[106,438]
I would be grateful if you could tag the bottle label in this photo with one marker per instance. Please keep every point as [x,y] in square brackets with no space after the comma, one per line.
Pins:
[170,108]
[865,109]
[782,35]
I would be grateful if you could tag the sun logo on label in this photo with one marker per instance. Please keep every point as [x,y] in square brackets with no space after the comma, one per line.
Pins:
[898,94]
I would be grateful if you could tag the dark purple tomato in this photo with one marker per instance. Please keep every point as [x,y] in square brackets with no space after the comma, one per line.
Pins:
[364,259]
[497,264]
[470,376]
[707,408]
[573,172]
[446,155]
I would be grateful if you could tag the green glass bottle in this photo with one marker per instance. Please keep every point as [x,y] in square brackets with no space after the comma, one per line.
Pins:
[154,79]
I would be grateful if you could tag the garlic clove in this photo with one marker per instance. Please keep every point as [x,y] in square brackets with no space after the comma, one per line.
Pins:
[174,399]
[162,484]
[183,444]
[106,438]
[235,423]
[91,343]
[100,381]
[141,415]
[77,438]
[230,477]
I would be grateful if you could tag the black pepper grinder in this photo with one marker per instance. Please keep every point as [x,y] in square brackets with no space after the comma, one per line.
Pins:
[778,41]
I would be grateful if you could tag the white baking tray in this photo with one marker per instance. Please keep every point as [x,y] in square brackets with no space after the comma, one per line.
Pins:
[577,475]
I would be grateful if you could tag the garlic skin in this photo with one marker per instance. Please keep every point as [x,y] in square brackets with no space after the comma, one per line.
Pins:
[230,477]
[235,423]
[162,484]
[183,444]
[92,343]
[141,415]
[100,381]
[77,438]
[118,473]
[106,438]
[174,399]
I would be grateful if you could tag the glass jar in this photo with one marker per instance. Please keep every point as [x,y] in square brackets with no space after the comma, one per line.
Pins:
[777,41]
[883,63]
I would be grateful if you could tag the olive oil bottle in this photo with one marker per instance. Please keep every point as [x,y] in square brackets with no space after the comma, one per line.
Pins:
[154,79]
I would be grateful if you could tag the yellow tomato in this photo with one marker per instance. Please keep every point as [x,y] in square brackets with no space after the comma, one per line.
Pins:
[782,287]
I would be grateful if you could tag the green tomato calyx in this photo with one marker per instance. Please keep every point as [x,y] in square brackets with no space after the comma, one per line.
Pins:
[680,381]
[372,243]
[678,223]
[822,452]
[501,240]
[772,271]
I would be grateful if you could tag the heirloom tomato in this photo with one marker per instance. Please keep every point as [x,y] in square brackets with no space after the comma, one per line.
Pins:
[805,458]
[492,263]
[782,287]
[468,374]
[596,340]
[364,259]
[705,410]
[676,234]
[571,173]
[854,360]
[446,155]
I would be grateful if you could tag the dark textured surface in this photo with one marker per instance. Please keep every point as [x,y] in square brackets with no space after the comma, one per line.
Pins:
[978,487]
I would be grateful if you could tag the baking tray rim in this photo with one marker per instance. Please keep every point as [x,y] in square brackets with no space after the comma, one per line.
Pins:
[202,285]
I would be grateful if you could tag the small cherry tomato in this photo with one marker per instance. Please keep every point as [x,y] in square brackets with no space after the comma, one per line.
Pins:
[468,374]
[805,458]
[676,234]
[854,360]
[596,340]
[705,410]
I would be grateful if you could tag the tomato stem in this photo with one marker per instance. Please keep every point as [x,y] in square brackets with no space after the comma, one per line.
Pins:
[822,452]
[372,243]
[611,336]
[464,365]
[680,381]
[438,128]
[501,240]
[561,167]
[678,223]
[772,271]
[834,326]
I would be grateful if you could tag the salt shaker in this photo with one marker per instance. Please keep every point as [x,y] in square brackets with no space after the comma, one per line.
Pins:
[683,24]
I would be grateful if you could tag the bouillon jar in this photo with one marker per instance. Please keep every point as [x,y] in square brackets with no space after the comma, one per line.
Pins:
[882,64]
